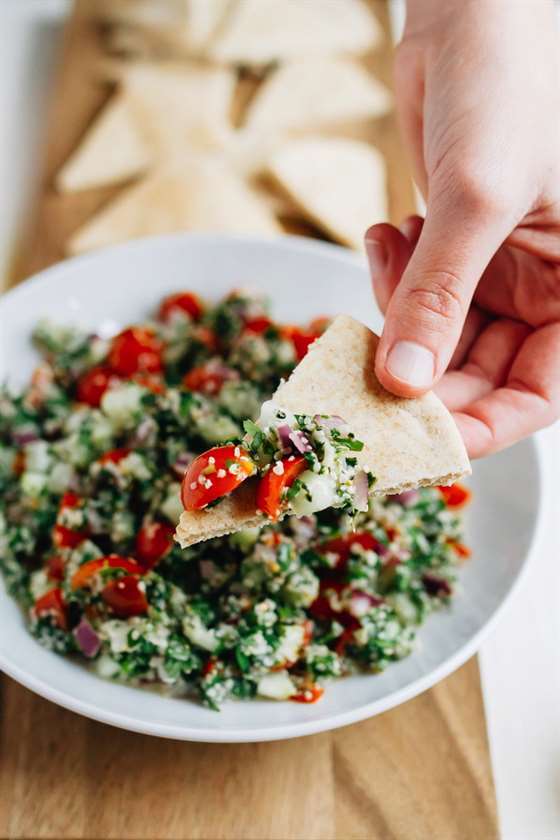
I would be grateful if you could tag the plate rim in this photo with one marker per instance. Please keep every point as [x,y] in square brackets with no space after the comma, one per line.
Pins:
[289,730]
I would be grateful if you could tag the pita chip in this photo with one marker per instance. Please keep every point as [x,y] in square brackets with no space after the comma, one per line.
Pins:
[257,32]
[312,92]
[407,442]
[339,185]
[113,150]
[196,193]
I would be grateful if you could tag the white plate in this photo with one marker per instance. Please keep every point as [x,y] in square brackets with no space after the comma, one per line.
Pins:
[117,286]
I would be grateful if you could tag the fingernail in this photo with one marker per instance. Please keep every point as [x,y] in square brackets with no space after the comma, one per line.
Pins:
[377,256]
[411,363]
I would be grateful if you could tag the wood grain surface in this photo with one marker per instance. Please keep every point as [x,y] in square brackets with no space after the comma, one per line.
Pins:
[419,772]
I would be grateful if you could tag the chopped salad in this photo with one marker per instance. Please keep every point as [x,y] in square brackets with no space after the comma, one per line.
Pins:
[92,456]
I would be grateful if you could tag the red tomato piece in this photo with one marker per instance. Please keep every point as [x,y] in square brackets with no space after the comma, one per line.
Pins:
[92,385]
[461,549]
[207,337]
[258,325]
[214,474]
[134,350]
[272,485]
[153,541]
[125,597]
[52,603]
[55,568]
[456,495]
[114,456]
[18,465]
[341,546]
[84,573]
[208,378]
[300,338]
[153,383]
[64,537]
[181,302]
[309,695]
[320,324]
[345,638]
[209,666]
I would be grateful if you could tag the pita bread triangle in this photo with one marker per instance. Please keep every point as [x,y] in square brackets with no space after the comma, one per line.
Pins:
[193,193]
[339,185]
[408,442]
[258,32]
[112,150]
[293,96]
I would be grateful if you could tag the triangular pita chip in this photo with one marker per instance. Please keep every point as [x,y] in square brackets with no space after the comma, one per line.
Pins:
[312,92]
[198,193]
[261,31]
[408,442]
[112,150]
[340,185]
[179,106]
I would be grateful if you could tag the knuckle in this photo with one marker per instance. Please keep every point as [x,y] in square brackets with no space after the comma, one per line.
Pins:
[438,298]
[475,190]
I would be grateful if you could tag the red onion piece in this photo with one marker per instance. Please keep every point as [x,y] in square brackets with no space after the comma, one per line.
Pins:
[284,431]
[300,442]
[333,421]
[361,488]
[303,529]
[435,585]
[183,461]
[86,638]
[145,429]
[361,603]
[216,366]
[407,498]
[23,437]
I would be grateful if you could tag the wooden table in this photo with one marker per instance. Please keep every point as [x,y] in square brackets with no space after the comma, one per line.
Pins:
[419,772]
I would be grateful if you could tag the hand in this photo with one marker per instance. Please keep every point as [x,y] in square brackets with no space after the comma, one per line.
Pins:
[474,289]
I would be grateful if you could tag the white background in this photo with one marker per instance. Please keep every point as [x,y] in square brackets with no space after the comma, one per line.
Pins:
[521,661]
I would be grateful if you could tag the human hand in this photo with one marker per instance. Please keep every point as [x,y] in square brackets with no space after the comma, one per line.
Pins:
[474,289]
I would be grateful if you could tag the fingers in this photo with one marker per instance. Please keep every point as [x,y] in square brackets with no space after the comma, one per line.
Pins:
[528,401]
[427,311]
[486,366]
[388,252]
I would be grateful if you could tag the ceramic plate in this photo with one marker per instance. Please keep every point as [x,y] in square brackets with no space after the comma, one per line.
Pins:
[115,287]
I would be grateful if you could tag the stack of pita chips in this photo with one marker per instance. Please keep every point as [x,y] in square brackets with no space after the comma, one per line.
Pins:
[197,147]
[408,442]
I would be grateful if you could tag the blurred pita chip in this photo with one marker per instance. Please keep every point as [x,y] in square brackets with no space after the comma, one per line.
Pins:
[340,185]
[194,193]
[258,32]
[112,150]
[309,93]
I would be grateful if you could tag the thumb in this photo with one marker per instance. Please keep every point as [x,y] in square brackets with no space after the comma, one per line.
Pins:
[427,310]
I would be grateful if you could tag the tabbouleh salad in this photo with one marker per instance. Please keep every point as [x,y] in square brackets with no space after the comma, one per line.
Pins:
[92,454]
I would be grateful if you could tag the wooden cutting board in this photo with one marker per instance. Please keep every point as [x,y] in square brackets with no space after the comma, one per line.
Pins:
[419,772]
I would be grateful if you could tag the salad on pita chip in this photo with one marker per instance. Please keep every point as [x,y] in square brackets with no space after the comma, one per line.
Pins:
[331,436]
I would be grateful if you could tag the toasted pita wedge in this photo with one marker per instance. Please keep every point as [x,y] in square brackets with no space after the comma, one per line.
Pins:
[310,93]
[338,184]
[197,193]
[112,150]
[179,105]
[408,443]
[258,32]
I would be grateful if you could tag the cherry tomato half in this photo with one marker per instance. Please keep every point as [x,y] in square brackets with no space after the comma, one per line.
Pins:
[214,474]
[153,541]
[135,349]
[272,485]
[309,695]
[52,603]
[181,302]
[258,325]
[113,456]
[341,546]
[64,537]
[461,549]
[92,385]
[125,597]
[300,338]
[456,495]
[55,568]
[84,573]
[208,378]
